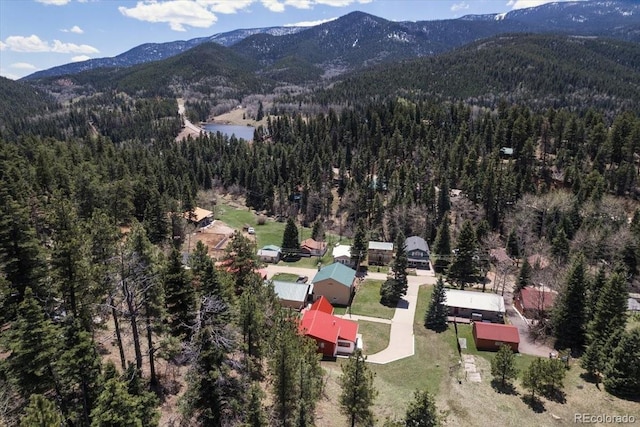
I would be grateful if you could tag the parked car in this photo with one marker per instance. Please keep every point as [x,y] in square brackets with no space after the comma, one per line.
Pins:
[251,230]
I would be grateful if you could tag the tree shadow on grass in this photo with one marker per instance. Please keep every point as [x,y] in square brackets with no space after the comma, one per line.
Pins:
[534,403]
[556,395]
[591,378]
[507,388]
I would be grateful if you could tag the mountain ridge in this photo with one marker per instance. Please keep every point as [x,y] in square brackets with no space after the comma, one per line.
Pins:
[400,40]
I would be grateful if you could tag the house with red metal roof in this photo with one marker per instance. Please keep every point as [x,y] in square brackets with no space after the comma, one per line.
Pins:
[534,303]
[490,336]
[333,334]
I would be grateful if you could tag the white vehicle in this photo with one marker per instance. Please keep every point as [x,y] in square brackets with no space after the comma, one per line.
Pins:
[251,230]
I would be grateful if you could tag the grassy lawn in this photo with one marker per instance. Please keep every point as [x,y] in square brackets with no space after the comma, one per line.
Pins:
[435,368]
[374,335]
[285,277]
[366,302]
[271,233]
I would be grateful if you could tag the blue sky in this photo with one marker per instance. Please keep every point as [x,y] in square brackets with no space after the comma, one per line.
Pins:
[40,34]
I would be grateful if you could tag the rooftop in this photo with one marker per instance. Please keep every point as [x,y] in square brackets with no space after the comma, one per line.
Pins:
[539,299]
[474,300]
[328,327]
[497,332]
[291,291]
[342,250]
[338,272]
[413,243]
[197,215]
[381,246]
[313,244]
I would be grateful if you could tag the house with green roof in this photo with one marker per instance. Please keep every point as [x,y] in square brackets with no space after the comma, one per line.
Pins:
[335,282]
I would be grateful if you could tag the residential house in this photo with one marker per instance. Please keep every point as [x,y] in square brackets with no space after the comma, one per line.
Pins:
[292,295]
[270,253]
[199,217]
[417,251]
[534,303]
[334,335]
[380,253]
[633,305]
[335,282]
[490,336]
[477,306]
[342,254]
[310,247]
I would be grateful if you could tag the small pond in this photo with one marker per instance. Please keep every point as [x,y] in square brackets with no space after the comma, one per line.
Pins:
[241,132]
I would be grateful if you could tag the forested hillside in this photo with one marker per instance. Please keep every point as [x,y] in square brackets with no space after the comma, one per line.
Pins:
[523,143]
[541,70]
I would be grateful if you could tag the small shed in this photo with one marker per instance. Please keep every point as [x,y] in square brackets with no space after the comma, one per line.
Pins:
[490,336]
[534,303]
[342,254]
[199,217]
[291,295]
[380,253]
[310,247]
[270,253]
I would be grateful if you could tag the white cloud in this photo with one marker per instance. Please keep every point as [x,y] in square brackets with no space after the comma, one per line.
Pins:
[3,45]
[80,58]
[299,4]
[26,44]
[177,13]
[341,3]
[74,29]
[522,4]
[23,66]
[309,23]
[273,5]
[4,73]
[459,6]
[226,6]
[54,2]
[33,43]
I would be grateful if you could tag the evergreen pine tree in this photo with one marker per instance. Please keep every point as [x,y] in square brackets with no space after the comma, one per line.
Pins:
[179,297]
[560,245]
[359,245]
[41,412]
[609,316]
[533,377]
[213,392]
[399,267]
[422,411]
[290,241]
[622,371]
[78,370]
[21,257]
[255,415]
[317,232]
[241,260]
[33,343]
[442,246]
[436,316]
[513,247]
[116,407]
[524,276]
[503,366]
[568,317]
[358,391]
[464,269]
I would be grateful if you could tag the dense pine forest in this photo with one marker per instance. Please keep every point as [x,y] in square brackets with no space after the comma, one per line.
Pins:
[92,195]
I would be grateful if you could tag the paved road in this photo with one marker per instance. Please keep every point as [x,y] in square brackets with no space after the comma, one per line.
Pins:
[401,339]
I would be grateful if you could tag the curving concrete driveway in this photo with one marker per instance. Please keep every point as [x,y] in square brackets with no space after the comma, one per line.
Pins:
[401,339]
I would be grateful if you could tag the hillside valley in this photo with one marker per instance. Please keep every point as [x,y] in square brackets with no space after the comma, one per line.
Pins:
[393,167]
